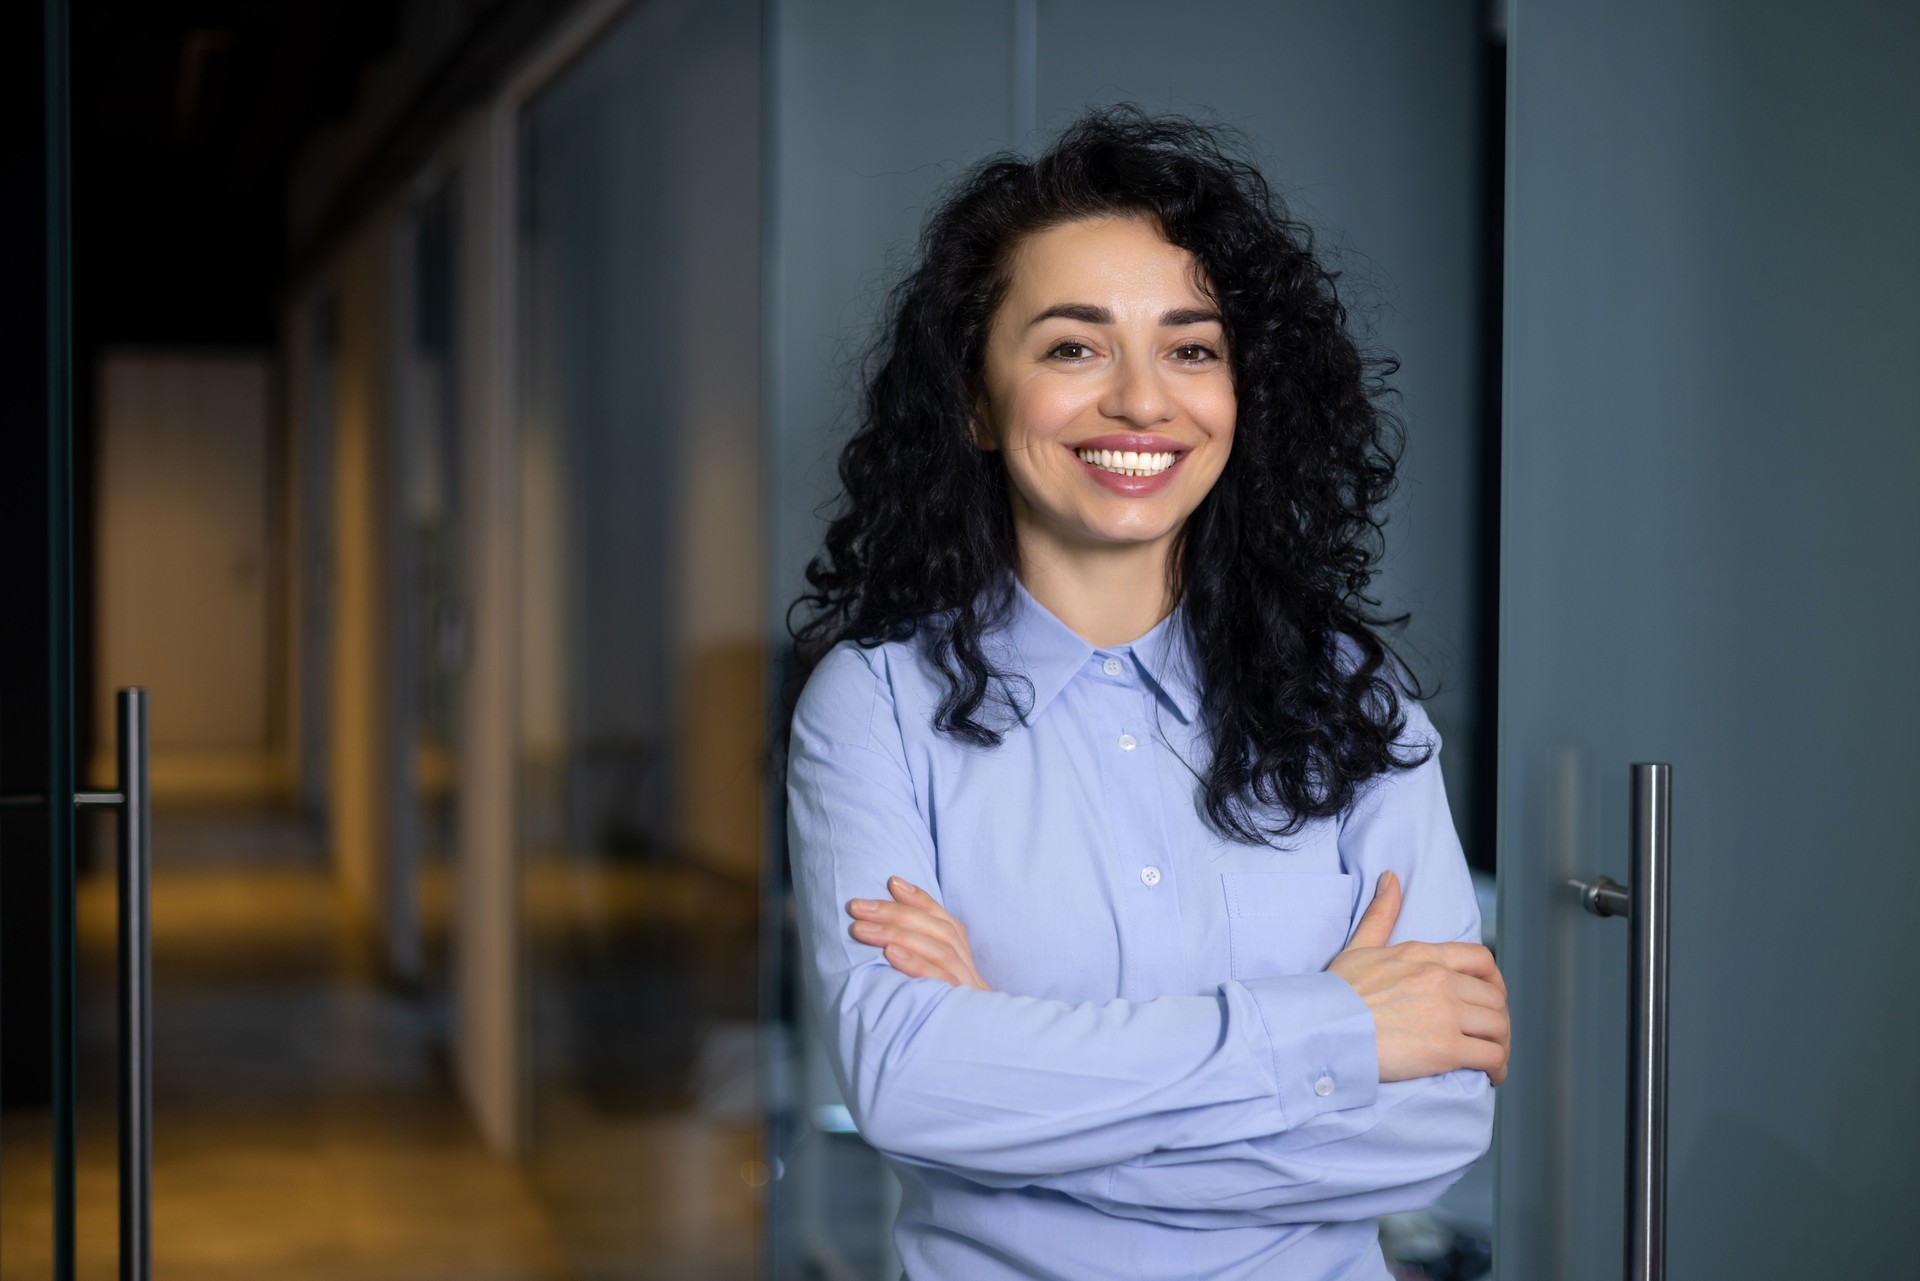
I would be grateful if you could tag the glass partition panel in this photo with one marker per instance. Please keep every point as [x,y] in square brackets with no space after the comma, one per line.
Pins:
[877,105]
[427,607]
[640,717]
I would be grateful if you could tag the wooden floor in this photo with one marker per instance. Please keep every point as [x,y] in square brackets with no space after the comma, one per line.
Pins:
[306,1123]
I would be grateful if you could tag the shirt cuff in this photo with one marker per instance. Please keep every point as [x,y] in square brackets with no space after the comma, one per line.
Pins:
[1322,1037]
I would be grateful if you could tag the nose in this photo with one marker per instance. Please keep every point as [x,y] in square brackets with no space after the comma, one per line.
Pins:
[1137,394]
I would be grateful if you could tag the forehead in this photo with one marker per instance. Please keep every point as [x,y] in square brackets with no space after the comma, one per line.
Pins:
[1103,261]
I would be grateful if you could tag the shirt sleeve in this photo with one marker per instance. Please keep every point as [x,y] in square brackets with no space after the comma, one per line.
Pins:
[1006,1089]
[1416,1138]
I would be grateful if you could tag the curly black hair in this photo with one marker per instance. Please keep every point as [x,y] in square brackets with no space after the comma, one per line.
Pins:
[1301,695]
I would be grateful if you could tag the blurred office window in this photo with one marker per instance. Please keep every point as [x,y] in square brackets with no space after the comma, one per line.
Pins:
[640,716]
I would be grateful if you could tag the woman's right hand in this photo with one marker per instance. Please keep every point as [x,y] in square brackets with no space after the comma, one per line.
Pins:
[1436,1006]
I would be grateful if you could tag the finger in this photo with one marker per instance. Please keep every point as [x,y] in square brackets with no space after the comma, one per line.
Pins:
[1486,1056]
[942,965]
[1376,923]
[1498,1071]
[1496,978]
[888,910]
[1484,1024]
[925,903]
[916,966]
[907,892]
[1499,1034]
[931,944]
[1478,992]
[1471,958]
[908,917]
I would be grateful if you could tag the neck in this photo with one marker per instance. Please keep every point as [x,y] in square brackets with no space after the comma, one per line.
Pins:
[1107,595]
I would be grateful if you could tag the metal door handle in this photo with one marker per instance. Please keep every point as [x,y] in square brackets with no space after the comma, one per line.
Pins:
[134,824]
[1644,903]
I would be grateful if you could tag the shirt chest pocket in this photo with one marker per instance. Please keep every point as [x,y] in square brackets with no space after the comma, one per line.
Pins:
[1286,922]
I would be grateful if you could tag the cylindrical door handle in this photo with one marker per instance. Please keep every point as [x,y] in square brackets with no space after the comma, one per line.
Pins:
[1652,802]
[1643,901]
[135,821]
[134,825]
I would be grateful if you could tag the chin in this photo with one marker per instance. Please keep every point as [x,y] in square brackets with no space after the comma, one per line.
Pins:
[1129,534]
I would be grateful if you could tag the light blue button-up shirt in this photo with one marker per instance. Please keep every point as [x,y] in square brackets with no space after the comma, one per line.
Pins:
[1164,1081]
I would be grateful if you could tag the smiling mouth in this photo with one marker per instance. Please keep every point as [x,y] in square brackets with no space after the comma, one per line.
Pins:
[1125,462]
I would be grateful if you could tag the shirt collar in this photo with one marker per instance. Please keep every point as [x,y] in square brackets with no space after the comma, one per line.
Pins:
[1049,654]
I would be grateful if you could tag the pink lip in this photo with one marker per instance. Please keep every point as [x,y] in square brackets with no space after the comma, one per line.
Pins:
[1131,486]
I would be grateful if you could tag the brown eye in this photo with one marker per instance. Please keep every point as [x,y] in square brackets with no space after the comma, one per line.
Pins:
[1070,350]
[1193,353]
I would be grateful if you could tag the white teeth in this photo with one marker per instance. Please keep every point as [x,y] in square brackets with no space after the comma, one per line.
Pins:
[1127,462]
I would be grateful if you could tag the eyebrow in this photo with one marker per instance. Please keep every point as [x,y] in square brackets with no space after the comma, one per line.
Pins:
[1087,314]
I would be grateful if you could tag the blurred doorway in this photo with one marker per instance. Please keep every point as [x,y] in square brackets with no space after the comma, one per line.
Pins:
[181,564]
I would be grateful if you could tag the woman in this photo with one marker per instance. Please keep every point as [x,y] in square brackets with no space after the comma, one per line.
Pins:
[1103,753]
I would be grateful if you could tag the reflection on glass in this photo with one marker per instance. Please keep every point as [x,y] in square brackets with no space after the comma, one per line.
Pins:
[640,711]
[428,610]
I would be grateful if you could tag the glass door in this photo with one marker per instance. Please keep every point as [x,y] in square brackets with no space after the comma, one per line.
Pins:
[1708,550]
[40,795]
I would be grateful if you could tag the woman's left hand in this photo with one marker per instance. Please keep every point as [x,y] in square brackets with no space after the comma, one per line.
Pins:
[919,937]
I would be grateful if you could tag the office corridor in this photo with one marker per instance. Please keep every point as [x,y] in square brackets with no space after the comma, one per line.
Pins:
[305,1122]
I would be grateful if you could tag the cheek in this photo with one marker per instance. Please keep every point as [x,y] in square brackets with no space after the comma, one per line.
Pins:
[1215,415]
[1214,409]
[1042,409]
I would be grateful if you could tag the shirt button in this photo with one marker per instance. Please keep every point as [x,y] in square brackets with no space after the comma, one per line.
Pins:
[1128,742]
[1149,876]
[1111,667]
[1323,1087]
